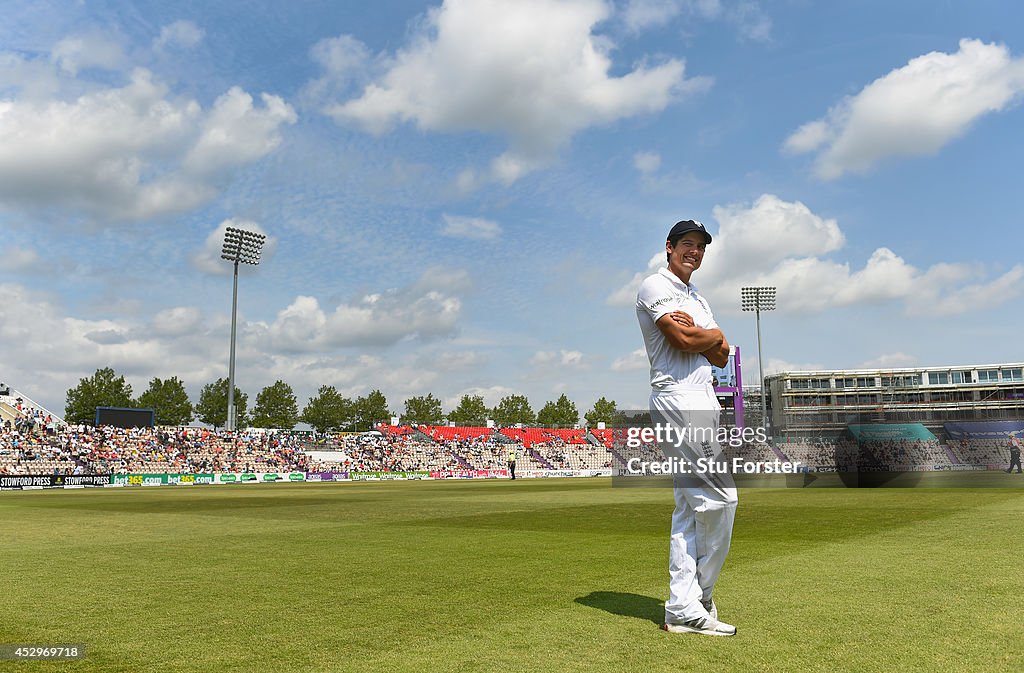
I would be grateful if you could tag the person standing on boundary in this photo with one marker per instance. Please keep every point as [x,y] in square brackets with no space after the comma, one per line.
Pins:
[512,463]
[1014,454]
[683,341]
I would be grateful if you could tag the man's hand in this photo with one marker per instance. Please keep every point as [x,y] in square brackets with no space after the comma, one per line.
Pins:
[681,333]
[718,355]
[681,317]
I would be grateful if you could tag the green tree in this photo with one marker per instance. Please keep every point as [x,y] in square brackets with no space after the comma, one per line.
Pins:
[423,410]
[168,400]
[328,410]
[103,389]
[371,410]
[213,404]
[561,413]
[471,411]
[513,409]
[604,411]
[276,407]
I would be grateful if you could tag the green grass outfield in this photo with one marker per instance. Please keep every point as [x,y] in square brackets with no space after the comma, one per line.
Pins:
[531,575]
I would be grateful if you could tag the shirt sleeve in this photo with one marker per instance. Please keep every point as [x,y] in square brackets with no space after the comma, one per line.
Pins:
[710,323]
[655,298]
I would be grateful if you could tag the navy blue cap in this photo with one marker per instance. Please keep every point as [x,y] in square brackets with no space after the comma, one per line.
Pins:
[685,226]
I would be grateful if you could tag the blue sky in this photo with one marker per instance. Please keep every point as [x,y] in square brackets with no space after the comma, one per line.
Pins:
[463,197]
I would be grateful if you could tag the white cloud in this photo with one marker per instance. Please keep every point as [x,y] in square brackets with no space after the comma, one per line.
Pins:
[235,132]
[345,61]
[673,182]
[132,152]
[809,137]
[177,321]
[562,358]
[470,227]
[914,110]
[427,309]
[640,15]
[937,297]
[889,361]
[776,366]
[531,71]
[178,35]
[86,51]
[708,9]
[786,245]
[182,342]
[770,231]
[208,258]
[750,20]
[354,376]
[34,78]
[626,294]
[75,347]
[745,15]
[27,261]
[491,394]
[632,362]
[647,162]
[19,260]
[452,360]
[341,56]
[467,180]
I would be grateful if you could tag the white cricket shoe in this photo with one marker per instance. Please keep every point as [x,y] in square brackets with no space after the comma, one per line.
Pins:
[707,626]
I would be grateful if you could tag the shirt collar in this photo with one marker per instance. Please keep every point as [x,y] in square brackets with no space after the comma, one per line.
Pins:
[690,287]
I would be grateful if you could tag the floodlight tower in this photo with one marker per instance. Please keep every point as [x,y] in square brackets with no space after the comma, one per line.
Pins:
[240,247]
[757,299]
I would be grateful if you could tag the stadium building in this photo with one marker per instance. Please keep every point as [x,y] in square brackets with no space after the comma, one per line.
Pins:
[809,404]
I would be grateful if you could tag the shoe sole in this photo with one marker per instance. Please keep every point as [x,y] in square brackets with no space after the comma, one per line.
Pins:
[679,628]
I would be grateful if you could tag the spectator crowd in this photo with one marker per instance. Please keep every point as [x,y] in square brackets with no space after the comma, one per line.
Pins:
[33,444]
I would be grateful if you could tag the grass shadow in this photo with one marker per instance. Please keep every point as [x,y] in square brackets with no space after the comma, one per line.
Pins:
[627,605]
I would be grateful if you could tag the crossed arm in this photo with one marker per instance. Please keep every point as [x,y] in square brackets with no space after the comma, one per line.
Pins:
[681,333]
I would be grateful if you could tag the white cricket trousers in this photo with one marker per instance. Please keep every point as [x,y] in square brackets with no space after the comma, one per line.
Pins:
[705,502]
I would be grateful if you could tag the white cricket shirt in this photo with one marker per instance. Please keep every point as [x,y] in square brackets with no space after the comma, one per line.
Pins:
[662,293]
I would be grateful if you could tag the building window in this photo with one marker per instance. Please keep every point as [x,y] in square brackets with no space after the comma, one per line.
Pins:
[938,378]
[865,382]
[902,381]
[988,376]
[810,400]
[1013,374]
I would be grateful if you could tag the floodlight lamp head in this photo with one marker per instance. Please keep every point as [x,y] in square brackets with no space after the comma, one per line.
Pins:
[758,298]
[242,246]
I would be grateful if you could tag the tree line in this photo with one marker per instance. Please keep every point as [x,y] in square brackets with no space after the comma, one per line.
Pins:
[329,411]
